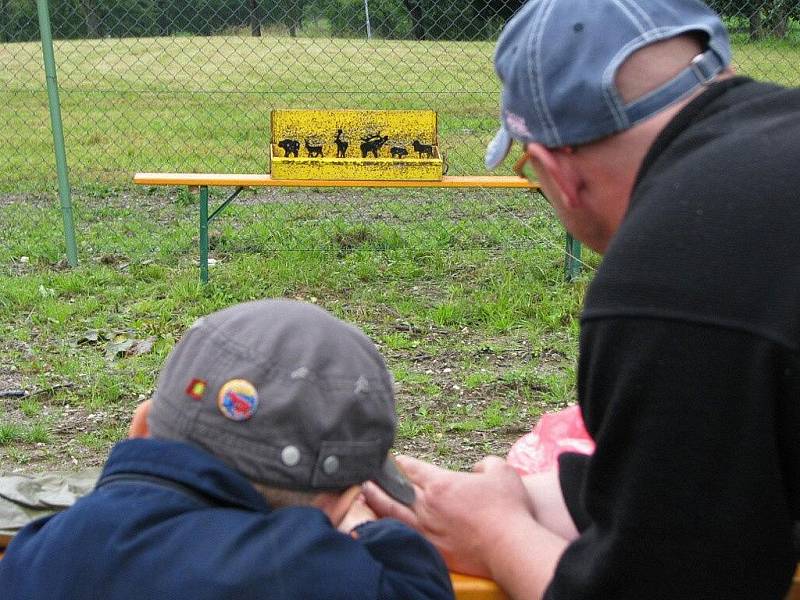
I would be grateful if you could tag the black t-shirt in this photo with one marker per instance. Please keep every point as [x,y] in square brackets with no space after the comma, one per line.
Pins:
[689,374]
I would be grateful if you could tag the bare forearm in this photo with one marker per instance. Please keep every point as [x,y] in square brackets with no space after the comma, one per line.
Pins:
[523,557]
[549,508]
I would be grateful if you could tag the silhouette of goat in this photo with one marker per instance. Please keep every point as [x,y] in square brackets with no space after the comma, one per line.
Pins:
[421,149]
[313,151]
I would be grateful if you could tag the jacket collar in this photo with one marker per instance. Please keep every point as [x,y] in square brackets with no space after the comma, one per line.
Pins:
[187,465]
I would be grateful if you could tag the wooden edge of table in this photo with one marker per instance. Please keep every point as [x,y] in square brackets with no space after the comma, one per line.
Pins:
[794,591]
[266,180]
[477,588]
[464,586]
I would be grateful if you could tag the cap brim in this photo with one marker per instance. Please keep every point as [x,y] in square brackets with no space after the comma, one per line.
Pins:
[498,148]
[392,481]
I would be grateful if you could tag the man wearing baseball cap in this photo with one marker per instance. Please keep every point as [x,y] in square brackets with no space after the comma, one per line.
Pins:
[686,178]
[267,418]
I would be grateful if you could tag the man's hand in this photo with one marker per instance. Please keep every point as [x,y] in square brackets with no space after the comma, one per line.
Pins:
[463,514]
[481,522]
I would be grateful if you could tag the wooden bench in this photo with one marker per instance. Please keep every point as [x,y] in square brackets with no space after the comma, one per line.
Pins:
[202,181]
[347,148]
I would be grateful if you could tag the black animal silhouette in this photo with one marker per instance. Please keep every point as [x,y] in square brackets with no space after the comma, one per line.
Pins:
[289,147]
[398,152]
[372,143]
[421,149]
[314,151]
[341,145]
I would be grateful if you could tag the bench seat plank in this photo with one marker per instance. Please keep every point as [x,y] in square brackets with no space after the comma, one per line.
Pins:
[266,180]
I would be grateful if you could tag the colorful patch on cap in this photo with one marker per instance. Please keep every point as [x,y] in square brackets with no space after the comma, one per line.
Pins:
[237,399]
[196,388]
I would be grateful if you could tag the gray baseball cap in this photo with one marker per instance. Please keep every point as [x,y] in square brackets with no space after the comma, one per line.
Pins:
[286,394]
[557,60]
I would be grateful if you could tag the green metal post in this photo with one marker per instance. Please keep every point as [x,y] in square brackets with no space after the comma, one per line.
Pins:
[572,258]
[58,131]
[204,233]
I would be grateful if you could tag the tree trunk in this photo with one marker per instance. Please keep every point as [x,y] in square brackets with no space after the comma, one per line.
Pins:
[163,17]
[294,16]
[91,18]
[255,21]
[414,8]
[756,30]
[777,18]
[780,27]
[5,33]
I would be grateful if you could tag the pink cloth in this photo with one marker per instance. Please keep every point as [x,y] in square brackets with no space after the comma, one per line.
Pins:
[555,433]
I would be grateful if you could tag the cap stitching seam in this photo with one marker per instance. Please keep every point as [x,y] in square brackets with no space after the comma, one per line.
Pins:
[264,365]
[552,136]
[532,65]
[645,23]
[613,99]
[216,334]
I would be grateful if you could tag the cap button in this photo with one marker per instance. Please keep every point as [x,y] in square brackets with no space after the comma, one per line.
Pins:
[330,465]
[290,456]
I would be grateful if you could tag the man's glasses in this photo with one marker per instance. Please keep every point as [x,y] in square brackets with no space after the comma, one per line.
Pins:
[523,168]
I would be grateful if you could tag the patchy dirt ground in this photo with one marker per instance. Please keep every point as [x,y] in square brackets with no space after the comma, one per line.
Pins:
[449,413]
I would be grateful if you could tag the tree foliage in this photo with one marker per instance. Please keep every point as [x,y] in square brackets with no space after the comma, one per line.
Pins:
[405,19]
[763,18]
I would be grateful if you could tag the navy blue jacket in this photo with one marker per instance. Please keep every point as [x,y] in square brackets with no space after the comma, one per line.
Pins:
[200,530]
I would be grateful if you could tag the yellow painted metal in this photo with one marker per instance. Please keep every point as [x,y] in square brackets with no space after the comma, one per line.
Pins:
[475,588]
[407,169]
[265,180]
[320,156]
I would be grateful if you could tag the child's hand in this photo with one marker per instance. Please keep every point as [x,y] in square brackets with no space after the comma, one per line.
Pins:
[359,513]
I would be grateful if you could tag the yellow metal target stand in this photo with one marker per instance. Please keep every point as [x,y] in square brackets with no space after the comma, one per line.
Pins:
[344,148]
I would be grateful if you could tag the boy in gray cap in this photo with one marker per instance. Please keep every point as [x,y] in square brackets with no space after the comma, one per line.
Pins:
[686,178]
[267,418]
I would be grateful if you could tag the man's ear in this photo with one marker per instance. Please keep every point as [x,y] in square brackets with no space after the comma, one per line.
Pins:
[139,427]
[556,173]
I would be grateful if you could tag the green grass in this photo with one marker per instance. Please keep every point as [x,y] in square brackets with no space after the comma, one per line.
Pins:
[30,434]
[191,103]
[463,293]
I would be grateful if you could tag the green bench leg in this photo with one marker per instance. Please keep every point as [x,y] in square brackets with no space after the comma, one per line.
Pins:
[204,233]
[572,250]
[572,258]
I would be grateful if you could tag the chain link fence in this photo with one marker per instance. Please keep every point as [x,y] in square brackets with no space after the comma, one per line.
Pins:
[166,85]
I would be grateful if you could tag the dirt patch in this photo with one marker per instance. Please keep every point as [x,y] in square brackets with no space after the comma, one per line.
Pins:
[464,395]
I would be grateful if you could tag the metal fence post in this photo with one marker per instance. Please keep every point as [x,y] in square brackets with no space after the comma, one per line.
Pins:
[58,131]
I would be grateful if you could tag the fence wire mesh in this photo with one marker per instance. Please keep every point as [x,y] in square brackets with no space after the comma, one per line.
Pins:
[462,289]
[166,85]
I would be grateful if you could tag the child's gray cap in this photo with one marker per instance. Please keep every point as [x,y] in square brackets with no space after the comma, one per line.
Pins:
[557,60]
[286,394]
